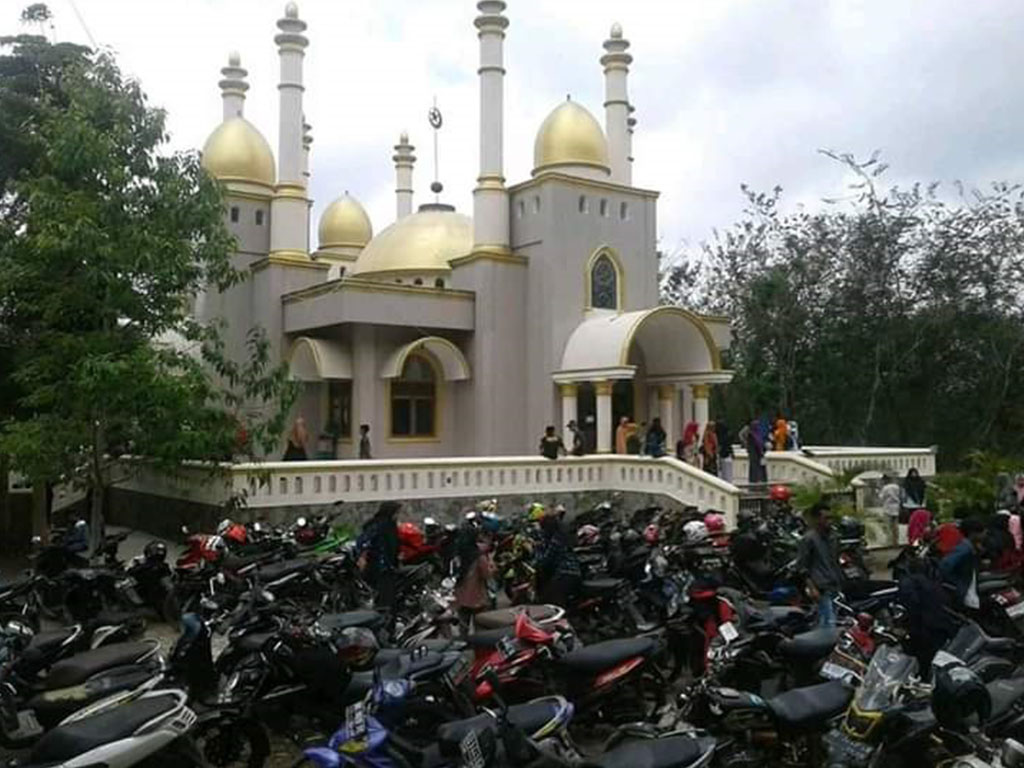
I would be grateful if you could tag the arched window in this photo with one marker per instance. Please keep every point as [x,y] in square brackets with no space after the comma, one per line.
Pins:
[604,283]
[414,400]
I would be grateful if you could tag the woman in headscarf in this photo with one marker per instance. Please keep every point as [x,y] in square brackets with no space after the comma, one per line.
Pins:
[686,448]
[780,433]
[297,439]
[622,435]
[475,568]
[709,449]
[724,437]
[913,489]
[755,454]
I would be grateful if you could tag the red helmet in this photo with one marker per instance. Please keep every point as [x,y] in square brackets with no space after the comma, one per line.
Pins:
[652,533]
[780,493]
[409,534]
[714,522]
[588,535]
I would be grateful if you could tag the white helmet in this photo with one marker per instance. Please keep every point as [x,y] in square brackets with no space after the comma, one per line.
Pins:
[695,531]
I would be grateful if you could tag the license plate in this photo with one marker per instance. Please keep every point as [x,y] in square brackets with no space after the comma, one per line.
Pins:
[507,647]
[457,672]
[355,721]
[472,755]
[728,632]
[839,666]
[1015,610]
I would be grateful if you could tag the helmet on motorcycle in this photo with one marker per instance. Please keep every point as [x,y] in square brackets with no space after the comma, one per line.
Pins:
[430,524]
[745,519]
[714,522]
[958,693]
[223,526]
[356,646]
[19,632]
[536,511]
[155,551]
[652,533]
[490,522]
[850,528]
[694,532]
[780,493]
[588,535]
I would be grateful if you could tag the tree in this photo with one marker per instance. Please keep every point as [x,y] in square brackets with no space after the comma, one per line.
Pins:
[105,241]
[889,316]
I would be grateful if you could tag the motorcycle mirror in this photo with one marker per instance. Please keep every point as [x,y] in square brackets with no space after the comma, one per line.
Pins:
[1012,754]
[267,596]
[184,530]
[301,522]
[220,578]
[448,583]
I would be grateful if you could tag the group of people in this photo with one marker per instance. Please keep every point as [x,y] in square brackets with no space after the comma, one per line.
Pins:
[763,435]
[298,439]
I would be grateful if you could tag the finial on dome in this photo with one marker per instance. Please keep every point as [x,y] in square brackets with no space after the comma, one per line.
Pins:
[403,137]
[616,31]
[291,10]
[568,97]
[234,59]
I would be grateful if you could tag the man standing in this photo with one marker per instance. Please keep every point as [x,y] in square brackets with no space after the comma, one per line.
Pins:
[891,498]
[578,448]
[379,559]
[818,562]
[551,445]
[364,442]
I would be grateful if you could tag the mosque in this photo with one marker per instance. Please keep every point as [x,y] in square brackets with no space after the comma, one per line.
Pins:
[458,335]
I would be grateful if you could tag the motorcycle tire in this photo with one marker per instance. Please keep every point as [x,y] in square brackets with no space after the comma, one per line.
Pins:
[224,742]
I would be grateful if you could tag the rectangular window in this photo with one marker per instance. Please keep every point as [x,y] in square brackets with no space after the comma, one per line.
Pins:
[234,214]
[412,409]
[339,409]
[259,218]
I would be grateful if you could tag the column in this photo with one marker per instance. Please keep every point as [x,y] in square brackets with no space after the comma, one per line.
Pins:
[570,411]
[616,103]
[667,408]
[603,390]
[701,393]
[404,160]
[490,198]
[233,86]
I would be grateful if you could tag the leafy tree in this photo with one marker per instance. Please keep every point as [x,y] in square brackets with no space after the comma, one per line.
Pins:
[892,315]
[105,241]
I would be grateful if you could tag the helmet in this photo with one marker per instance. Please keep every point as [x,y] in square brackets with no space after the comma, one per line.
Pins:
[155,550]
[959,693]
[356,646]
[490,522]
[536,511]
[714,522]
[746,518]
[588,535]
[223,526]
[850,528]
[430,524]
[695,531]
[780,493]
[652,533]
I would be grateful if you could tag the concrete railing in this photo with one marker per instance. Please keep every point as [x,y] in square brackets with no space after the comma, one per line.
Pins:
[816,463]
[306,483]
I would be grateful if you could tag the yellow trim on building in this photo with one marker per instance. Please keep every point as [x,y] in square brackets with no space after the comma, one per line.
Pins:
[439,400]
[580,180]
[716,357]
[491,253]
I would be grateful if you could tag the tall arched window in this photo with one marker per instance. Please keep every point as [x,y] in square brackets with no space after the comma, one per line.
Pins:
[604,283]
[414,400]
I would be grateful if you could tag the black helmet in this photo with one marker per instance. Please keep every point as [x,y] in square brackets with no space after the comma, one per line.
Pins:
[155,550]
[746,518]
[850,528]
[356,646]
[959,693]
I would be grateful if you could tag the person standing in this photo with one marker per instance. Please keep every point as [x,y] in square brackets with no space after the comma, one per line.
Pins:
[365,451]
[780,432]
[686,448]
[551,445]
[378,543]
[559,575]
[959,568]
[724,437]
[818,562]
[914,491]
[475,569]
[890,496]
[578,447]
[297,439]
[709,449]
[622,435]
[655,439]
[633,445]
[755,453]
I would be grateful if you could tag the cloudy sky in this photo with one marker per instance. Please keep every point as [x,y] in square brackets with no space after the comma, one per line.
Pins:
[726,91]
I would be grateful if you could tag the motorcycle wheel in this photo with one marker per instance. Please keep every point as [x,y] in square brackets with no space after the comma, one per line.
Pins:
[225,743]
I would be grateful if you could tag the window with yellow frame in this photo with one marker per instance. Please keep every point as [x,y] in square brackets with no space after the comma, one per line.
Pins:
[414,399]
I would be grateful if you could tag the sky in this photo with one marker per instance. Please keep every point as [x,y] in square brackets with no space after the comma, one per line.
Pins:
[726,91]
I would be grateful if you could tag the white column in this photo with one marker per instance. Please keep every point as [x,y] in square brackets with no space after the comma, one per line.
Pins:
[616,103]
[701,393]
[490,198]
[603,390]
[404,160]
[667,403]
[288,210]
[233,86]
[570,411]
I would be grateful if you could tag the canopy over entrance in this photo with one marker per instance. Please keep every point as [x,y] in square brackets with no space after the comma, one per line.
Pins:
[318,359]
[675,344]
[453,363]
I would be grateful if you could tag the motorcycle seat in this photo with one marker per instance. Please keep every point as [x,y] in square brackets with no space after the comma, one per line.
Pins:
[602,587]
[335,622]
[989,587]
[772,617]
[815,644]
[506,617]
[255,641]
[275,571]
[529,717]
[1004,694]
[73,739]
[410,664]
[599,657]
[810,706]
[666,752]
[78,668]
[489,637]
[43,644]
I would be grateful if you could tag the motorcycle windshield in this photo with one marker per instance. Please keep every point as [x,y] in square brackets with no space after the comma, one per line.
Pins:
[889,669]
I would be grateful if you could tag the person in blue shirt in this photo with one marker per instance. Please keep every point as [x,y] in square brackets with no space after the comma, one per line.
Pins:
[959,568]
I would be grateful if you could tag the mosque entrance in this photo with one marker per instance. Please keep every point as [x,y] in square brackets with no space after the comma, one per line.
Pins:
[623,402]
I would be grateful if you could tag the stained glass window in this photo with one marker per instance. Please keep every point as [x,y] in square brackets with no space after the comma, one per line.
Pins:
[604,284]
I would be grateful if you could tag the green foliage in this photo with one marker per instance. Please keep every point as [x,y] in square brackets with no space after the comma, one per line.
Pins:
[890,317]
[106,240]
[971,491]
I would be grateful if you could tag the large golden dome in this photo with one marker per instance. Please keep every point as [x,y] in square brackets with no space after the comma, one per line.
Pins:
[237,151]
[344,224]
[423,242]
[570,136]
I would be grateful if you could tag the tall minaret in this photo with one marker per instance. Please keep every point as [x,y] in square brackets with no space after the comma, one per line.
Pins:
[404,161]
[233,86]
[616,104]
[490,198]
[289,233]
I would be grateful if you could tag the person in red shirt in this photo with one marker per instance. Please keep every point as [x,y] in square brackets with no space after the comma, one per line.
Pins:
[947,536]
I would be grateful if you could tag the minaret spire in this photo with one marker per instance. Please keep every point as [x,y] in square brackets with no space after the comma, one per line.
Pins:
[404,161]
[616,104]
[233,86]
[490,198]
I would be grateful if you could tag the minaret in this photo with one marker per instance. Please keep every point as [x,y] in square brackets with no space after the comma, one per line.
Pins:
[616,104]
[289,233]
[233,86]
[404,161]
[631,124]
[490,198]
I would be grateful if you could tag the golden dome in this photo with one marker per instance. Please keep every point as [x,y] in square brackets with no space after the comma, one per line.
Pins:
[570,136]
[237,151]
[344,223]
[422,242]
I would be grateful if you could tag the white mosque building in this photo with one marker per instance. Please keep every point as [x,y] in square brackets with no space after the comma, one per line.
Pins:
[459,335]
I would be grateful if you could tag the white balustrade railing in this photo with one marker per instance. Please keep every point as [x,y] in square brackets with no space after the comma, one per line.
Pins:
[814,463]
[302,483]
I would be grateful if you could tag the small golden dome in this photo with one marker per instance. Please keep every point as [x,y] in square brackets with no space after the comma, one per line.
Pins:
[570,136]
[344,223]
[237,151]
[423,242]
